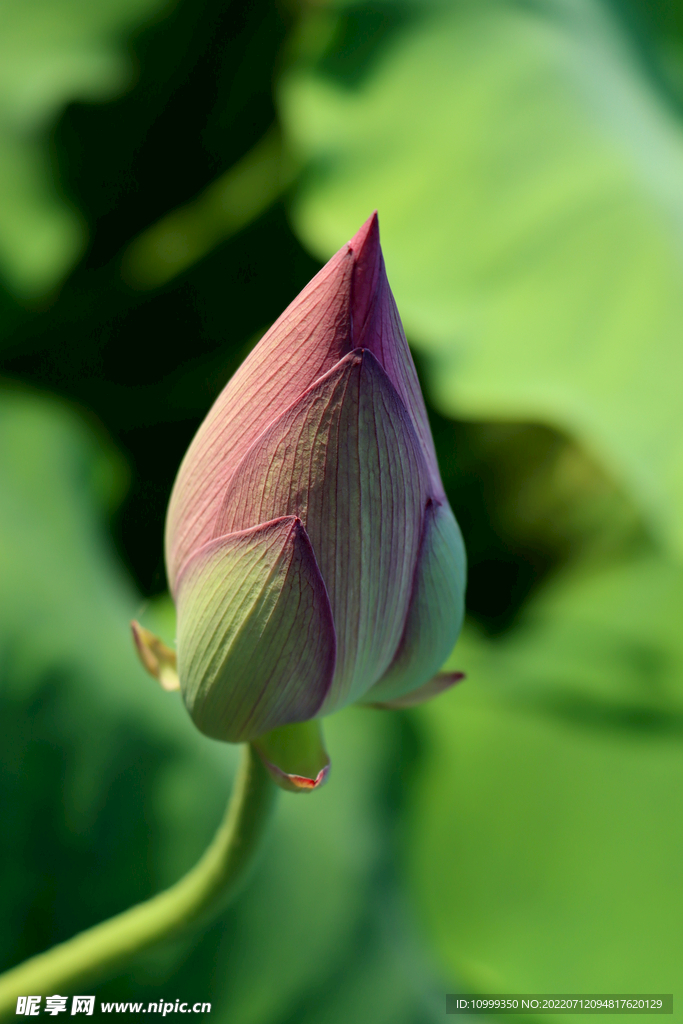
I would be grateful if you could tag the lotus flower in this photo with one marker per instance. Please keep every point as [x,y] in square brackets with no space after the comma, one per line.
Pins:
[311,551]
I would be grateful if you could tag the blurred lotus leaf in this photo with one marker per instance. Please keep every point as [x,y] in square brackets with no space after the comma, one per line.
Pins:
[545,841]
[52,52]
[528,178]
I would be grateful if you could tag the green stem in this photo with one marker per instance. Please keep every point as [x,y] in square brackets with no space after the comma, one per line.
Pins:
[204,890]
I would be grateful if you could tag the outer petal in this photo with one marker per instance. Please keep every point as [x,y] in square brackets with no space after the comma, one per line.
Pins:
[307,340]
[346,460]
[256,644]
[436,609]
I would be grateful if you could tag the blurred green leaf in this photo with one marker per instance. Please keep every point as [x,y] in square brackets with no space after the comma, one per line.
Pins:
[544,839]
[83,731]
[52,52]
[528,179]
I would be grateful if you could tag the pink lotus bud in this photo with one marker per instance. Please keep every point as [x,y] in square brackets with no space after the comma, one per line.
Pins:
[310,548]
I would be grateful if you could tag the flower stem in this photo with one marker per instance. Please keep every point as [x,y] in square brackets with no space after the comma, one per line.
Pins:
[202,892]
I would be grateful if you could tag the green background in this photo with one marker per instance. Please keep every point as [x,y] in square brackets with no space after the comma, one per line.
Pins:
[171,175]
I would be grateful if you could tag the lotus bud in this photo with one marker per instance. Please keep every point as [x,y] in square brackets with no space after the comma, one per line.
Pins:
[311,552]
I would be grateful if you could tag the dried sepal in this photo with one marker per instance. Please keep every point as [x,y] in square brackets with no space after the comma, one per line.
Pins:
[295,756]
[159,660]
[432,688]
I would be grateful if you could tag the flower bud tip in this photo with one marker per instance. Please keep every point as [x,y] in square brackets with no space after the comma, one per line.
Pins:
[367,251]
